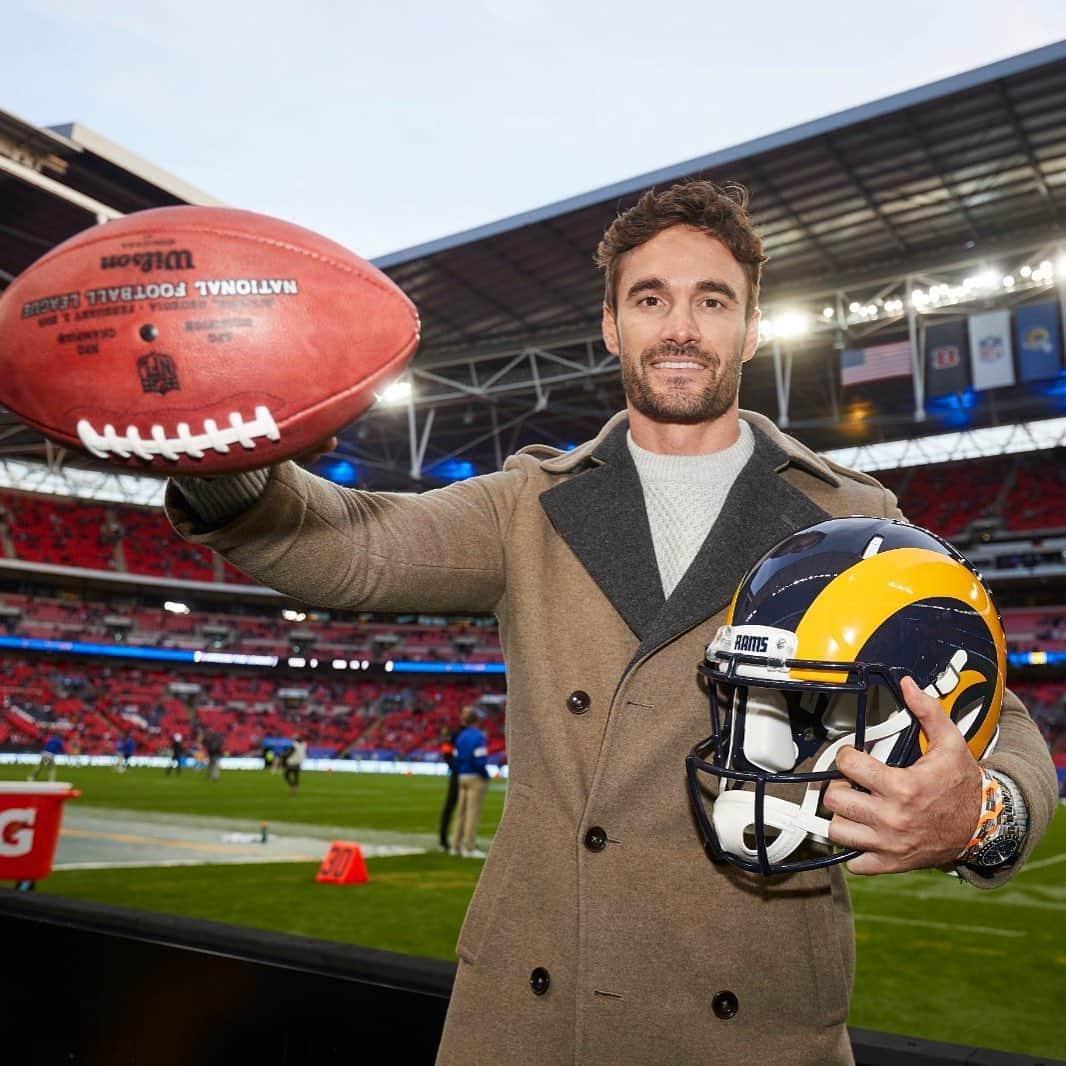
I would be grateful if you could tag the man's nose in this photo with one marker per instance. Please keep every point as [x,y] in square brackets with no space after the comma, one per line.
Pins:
[680,326]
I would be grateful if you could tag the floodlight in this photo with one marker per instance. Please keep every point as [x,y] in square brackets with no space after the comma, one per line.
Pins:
[792,323]
[397,393]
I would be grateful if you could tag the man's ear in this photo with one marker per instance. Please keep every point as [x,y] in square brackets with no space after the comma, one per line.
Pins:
[751,335]
[609,327]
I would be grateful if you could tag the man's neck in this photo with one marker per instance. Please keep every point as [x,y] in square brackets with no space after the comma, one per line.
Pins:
[673,438]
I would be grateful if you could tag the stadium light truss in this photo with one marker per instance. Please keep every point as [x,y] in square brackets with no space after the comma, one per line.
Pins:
[140,491]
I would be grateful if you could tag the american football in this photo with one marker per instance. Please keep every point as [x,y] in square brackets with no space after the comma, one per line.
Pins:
[199,340]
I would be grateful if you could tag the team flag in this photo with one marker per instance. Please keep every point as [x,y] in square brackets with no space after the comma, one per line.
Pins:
[991,351]
[1039,341]
[947,358]
[874,364]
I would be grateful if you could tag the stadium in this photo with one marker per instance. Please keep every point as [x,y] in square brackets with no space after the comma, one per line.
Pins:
[902,235]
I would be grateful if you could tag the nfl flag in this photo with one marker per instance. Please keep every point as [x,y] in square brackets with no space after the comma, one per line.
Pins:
[991,352]
[947,358]
[874,364]
[1036,330]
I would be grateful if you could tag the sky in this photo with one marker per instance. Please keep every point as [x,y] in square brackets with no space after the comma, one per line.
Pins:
[385,125]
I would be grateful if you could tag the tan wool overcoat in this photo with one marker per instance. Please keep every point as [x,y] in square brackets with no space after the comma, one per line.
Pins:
[600,932]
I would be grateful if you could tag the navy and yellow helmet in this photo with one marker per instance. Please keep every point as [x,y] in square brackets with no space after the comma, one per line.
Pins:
[820,633]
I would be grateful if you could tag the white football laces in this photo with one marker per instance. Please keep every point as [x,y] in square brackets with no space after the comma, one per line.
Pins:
[184,442]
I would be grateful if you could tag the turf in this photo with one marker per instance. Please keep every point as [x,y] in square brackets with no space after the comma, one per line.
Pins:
[412,903]
[936,958]
[395,802]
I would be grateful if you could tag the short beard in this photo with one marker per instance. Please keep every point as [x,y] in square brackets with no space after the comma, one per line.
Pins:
[675,405]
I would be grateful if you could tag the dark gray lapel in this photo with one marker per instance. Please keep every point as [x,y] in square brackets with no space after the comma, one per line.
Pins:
[600,514]
[760,510]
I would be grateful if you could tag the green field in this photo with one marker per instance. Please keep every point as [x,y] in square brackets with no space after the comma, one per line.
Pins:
[936,958]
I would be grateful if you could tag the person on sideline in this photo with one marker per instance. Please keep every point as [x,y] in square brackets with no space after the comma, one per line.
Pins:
[451,795]
[177,754]
[293,762]
[53,746]
[600,931]
[471,769]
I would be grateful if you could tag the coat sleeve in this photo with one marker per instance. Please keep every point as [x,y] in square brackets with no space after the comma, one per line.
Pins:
[328,546]
[1022,754]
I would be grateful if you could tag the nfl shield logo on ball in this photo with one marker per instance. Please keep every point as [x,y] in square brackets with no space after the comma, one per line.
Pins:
[157,373]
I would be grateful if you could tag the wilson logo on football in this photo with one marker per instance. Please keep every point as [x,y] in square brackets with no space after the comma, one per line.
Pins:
[16,831]
[146,262]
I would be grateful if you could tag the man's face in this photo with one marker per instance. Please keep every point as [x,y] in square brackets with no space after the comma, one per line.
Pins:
[679,328]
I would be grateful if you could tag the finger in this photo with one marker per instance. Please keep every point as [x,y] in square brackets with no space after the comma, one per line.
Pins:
[929,711]
[850,803]
[848,834]
[870,863]
[864,770]
[317,451]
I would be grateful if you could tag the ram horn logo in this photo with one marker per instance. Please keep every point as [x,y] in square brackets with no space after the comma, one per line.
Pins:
[158,373]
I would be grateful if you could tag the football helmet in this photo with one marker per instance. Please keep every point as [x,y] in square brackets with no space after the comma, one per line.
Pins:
[820,633]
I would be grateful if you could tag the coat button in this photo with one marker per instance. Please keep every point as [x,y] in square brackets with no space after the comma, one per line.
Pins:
[725,1005]
[578,702]
[596,838]
[539,980]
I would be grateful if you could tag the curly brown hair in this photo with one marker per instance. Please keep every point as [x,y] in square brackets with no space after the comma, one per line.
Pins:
[719,210]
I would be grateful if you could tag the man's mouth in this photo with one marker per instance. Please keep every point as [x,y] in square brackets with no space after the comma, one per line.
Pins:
[676,364]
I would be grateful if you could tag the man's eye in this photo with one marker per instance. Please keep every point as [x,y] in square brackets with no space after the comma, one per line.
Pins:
[650,301]
[713,302]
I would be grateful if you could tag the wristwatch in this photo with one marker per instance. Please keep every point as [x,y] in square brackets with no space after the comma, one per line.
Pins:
[1002,847]
[996,853]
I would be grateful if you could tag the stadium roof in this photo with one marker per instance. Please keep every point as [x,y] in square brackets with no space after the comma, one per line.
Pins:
[963,174]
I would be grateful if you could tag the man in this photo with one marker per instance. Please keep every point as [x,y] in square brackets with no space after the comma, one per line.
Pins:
[294,760]
[471,768]
[53,746]
[177,754]
[124,750]
[451,795]
[213,746]
[599,931]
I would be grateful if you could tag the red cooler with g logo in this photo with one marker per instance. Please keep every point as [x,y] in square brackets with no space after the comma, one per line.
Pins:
[30,815]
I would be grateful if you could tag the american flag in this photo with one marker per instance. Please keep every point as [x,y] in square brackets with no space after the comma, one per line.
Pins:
[872,364]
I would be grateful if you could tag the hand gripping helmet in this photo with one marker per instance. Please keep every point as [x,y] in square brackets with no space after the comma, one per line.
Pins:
[817,639]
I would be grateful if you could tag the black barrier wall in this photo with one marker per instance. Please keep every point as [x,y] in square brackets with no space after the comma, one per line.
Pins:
[87,985]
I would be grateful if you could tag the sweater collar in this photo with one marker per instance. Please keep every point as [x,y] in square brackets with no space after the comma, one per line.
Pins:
[600,514]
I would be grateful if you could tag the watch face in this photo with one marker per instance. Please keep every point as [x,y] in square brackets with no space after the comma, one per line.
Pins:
[997,853]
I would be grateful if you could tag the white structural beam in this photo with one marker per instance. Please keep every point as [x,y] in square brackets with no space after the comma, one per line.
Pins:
[103,212]
[144,491]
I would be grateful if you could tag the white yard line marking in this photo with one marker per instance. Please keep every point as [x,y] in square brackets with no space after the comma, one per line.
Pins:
[983,930]
[168,842]
[139,865]
[1041,863]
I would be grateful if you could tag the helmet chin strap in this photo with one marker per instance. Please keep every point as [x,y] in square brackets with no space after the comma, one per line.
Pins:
[734,809]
